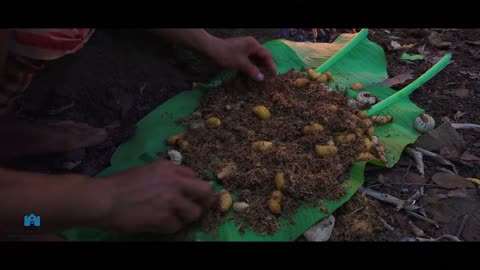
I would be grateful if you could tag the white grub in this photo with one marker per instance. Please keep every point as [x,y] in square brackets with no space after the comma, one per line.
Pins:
[175,156]
[366,98]
[424,123]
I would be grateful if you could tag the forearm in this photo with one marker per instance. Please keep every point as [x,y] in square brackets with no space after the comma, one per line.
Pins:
[5,36]
[197,39]
[61,201]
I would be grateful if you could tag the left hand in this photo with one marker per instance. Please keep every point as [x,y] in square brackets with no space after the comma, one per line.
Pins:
[244,54]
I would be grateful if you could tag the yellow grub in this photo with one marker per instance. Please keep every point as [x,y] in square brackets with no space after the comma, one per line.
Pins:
[262,112]
[326,150]
[174,138]
[262,146]
[213,122]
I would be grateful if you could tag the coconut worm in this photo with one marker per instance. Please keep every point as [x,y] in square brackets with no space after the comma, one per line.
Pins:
[368,144]
[362,115]
[381,153]
[382,120]
[357,86]
[279,180]
[213,122]
[424,123]
[226,171]
[313,74]
[366,156]
[313,128]
[262,112]
[240,206]
[346,138]
[275,202]
[225,201]
[196,115]
[262,146]
[326,150]
[301,82]
[274,206]
[332,107]
[322,78]
[329,75]
[182,144]
[175,156]
[197,124]
[371,131]
[366,123]
[352,103]
[366,98]
[174,138]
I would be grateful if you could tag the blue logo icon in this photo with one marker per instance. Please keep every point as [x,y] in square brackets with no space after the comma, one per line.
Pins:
[31,220]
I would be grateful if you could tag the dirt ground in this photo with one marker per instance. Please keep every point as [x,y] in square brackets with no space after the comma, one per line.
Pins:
[121,75]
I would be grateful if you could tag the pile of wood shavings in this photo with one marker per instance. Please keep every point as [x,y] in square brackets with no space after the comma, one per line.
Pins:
[308,176]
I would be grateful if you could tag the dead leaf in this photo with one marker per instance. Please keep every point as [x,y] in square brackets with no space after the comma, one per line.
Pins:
[461,92]
[397,47]
[451,181]
[395,80]
[442,136]
[449,152]
[436,40]
[413,178]
[476,43]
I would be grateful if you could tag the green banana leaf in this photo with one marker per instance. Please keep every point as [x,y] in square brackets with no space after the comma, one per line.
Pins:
[351,58]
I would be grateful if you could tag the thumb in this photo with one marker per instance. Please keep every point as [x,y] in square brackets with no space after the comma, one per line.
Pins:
[251,70]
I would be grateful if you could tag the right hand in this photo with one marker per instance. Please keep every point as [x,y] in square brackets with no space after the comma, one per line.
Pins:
[160,197]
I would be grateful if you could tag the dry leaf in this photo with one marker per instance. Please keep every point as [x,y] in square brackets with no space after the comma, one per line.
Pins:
[413,178]
[451,181]
[449,152]
[395,80]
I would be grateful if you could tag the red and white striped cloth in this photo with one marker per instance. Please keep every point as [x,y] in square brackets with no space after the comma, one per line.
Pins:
[29,49]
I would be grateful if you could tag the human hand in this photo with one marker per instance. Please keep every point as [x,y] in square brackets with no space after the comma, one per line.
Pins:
[244,54]
[160,197]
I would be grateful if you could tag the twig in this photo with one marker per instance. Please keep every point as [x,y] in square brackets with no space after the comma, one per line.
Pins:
[437,158]
[446,236]
[416,230]
[405,175]
[462,225]
[444,170]
[465,126]
[418,157]
[381,196]
[414,197]
[413,214]
[386,225]
[396,201]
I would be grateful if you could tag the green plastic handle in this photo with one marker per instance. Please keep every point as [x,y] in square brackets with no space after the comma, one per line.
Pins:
[407,90]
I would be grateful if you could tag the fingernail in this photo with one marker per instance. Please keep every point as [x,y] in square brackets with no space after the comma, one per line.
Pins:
[260,76]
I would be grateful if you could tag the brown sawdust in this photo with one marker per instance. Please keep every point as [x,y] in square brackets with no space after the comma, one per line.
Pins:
[308,177]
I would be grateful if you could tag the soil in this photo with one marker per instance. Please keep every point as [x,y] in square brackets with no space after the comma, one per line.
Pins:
[121,75]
